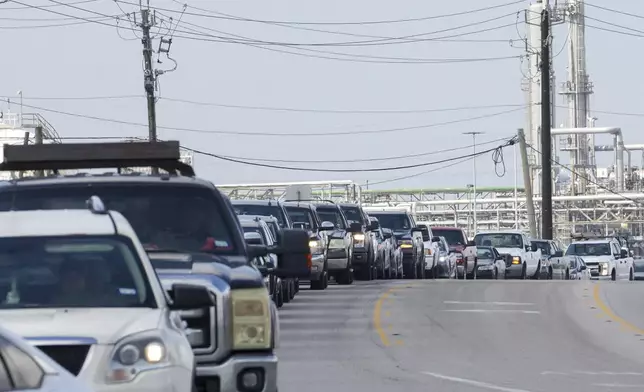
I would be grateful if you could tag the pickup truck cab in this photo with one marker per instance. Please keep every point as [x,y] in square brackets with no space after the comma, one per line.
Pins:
[552,260]
[409,239]
[79,286]
[604,257]
[432,250]
[364,241]
[522,258]
[176,216]
[464,250]
[305,217]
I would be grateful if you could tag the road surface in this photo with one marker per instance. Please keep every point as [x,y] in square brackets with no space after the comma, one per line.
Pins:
[464,336]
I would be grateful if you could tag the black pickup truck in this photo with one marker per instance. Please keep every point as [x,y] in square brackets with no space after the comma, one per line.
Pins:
[177,217]
[364,242]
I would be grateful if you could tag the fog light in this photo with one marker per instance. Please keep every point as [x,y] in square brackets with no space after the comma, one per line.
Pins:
[250,380]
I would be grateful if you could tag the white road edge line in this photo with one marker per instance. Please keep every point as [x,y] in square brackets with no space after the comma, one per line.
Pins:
[474,383]
[491,311]
[489,303]
[619,385]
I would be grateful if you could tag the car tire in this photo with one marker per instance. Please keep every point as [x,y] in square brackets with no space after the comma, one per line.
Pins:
[319,284]
[631,275]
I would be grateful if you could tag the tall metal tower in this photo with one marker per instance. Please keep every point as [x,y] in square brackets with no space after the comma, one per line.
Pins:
[578,89]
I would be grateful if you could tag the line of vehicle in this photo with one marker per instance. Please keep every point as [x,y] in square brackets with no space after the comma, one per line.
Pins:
[610,314]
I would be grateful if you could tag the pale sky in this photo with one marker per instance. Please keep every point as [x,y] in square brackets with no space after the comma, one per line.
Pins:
[72,58]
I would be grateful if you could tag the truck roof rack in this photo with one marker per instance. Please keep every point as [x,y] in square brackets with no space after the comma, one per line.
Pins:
[54,157]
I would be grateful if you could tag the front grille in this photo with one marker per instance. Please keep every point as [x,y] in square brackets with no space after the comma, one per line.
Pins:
[202,323]
[70,357]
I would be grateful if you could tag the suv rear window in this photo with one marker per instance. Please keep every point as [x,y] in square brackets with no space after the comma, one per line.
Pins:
[261,210]
[452,236]
[178,217]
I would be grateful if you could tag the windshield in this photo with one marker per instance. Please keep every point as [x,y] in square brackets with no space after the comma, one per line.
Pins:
[395,222]
[262,210]
[543,245]
[352,214]
[302,217]
[453,237]
[499,240]
[164,217]
[485,253]
[331,215]
[253,229]
[72,272]
[589,250]
[274,227]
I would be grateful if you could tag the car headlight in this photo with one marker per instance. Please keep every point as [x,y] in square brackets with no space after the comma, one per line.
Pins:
[358,240]
[603,267]
[405,244]
[315,247]
[516,260]
[336,243]
[136,354]
[251,319]
[442,258]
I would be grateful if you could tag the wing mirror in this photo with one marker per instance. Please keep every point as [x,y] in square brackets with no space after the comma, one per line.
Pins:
[375,225]
[582,268]
[436,239]
[294,254]
[326,226]
[267,268]
[187,296]
[623,253]
[386,233]
[558,253]
[471,243]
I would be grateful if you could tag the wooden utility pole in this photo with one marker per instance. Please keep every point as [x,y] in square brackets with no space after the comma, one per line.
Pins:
[546,128]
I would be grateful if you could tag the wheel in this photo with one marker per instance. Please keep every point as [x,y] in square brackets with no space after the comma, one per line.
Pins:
[279,299]
[326,280]
[537,275]
[320,283]
[345,277]
[292,286]
[496,274]
[613,276]
[567,275]
[286,291]
[549,273]
[631,275]
[297,285]
[524,272]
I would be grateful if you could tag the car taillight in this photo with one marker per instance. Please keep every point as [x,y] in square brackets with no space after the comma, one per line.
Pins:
[459,259]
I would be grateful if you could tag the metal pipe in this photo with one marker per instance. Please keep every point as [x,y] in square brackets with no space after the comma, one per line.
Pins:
[619,153]
[510,200]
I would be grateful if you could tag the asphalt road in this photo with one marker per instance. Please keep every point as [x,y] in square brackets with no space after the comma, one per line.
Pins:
[455,336]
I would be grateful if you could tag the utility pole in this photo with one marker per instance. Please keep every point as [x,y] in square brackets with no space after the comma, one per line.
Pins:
[149,76]
[474,225]
[527,184]
[546,128]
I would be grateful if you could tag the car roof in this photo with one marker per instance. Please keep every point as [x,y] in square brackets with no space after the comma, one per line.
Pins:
[257,217]
[102,178]
[256,202]
[387,212]
[45,223]
[250,223]
[300,204]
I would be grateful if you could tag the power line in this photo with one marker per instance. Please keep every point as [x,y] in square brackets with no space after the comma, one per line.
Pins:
[458,162]
[391,21]
[614,10]
[47,6]
[357,57]
[509,142]
[321,134]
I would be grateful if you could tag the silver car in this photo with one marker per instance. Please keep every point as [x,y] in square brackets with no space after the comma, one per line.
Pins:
[24,367]
[446,266]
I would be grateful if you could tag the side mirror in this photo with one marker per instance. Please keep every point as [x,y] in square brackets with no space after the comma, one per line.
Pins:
[582,268]
[255,251]
[387,234]
[416,230]
[355,227]
[375,225]
[326,226]
[471,243]
[294,254]
[533,248]
[623,253]
[558,253]
[187,296]
[436,239]
[267,268]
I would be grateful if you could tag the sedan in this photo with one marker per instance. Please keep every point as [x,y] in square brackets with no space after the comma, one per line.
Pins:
[490,264]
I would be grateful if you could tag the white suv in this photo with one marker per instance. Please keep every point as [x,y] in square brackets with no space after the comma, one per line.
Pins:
[78,285]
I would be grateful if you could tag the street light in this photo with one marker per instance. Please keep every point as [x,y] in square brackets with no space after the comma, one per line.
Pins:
[473,133]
